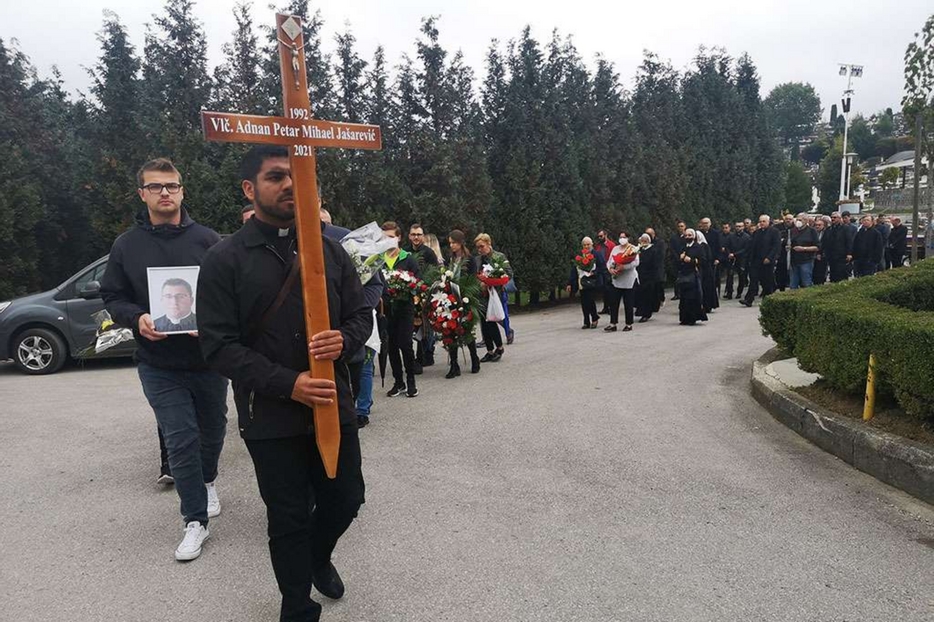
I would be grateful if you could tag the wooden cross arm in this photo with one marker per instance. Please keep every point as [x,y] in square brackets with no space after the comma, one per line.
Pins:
[307,132]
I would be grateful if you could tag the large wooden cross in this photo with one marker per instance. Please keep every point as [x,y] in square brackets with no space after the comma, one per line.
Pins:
[302,134]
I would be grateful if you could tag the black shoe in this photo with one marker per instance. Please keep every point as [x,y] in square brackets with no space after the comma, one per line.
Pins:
[411,391]
[585,327]
[362,421]
[610,328]
[489,356]
[474,359]
[497,355]
[328,582]
[728,297]
[627,328]
[745,303]
[510,337]
[455,369]
[397,389]
[643,320]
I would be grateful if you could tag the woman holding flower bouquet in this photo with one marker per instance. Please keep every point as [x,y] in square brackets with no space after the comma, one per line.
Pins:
[402,288]
[588,276]
[457,304]
[494,272]
[622,266]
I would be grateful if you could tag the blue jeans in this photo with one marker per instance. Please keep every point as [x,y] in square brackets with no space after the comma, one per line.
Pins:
[505,298]
[365,395]
[802,275]
[191,410]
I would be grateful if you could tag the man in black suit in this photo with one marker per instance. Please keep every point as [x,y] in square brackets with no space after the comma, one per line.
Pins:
[867,248]
[763,255]
[898,244]
[177,299]
[837,248]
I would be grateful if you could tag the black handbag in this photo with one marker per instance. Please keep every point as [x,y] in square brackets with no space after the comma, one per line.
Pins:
[589,282]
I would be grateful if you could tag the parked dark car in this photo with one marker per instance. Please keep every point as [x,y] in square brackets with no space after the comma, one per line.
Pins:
[41,332]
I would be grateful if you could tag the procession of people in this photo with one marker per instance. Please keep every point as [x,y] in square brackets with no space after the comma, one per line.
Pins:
[394,305]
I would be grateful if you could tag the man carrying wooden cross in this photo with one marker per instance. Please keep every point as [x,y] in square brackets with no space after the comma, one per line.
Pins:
[252,324]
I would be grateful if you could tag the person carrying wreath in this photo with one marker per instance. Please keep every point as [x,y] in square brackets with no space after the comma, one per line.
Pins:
[486,256]
[401,318]
[588,276]
[622,266]
[461,262]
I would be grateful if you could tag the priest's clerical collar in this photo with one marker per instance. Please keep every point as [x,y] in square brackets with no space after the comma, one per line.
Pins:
[272,231]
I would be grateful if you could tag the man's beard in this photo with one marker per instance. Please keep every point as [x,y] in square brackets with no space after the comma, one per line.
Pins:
[277,209]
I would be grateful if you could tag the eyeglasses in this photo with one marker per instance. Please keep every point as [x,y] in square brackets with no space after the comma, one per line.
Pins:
[176,297]
[157,188]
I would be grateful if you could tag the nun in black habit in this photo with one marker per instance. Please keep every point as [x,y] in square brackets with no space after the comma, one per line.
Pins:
[647,300]
[690,260]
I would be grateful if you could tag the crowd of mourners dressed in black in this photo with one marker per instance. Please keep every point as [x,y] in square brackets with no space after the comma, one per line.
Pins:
[742,260]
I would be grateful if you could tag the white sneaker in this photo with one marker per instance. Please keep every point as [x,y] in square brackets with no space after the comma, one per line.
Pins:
[214,504]
[190,546]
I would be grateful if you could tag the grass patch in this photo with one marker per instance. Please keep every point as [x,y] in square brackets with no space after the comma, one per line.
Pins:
[888,418]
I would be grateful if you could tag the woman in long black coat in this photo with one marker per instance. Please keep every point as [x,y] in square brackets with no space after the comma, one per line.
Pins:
[708,277]
[691,303]
[647,300]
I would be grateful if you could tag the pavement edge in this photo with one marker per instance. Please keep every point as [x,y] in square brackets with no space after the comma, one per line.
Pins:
[899,462]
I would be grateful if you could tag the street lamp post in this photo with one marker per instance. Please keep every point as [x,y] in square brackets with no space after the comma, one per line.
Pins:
[850,71]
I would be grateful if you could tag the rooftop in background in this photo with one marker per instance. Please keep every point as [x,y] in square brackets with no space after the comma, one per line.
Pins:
[902,159]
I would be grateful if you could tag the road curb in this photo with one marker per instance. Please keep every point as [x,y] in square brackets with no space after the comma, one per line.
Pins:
[897,461]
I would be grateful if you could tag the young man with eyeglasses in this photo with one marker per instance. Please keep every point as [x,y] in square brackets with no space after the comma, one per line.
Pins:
[188,399]
[426,257]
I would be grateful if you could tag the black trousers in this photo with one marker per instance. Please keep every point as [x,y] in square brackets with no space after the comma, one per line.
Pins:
[400,323]
[763,276]
[839,270]
[660,286]
[306,512]
[729,269]
[820,271]
[492,338]
[781,276]
[629,303]
[589,305]
[866,268]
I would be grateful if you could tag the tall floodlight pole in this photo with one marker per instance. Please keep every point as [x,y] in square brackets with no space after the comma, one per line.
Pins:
[850,71]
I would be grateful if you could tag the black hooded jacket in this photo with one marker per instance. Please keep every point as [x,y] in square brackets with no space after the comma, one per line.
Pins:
[125,285]
[240,279]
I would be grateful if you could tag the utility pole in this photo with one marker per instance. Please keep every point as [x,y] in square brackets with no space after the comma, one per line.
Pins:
[850,71]
[916,207]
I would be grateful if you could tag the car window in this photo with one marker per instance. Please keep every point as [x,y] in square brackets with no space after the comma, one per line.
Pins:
[94,274]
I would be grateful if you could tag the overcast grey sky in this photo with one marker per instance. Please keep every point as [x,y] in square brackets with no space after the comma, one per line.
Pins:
[789,40]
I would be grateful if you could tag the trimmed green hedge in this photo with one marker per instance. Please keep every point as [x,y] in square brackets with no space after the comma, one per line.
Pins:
[832,329]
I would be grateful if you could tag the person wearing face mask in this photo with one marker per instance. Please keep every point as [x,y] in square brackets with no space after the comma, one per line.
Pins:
[625,276]
[400,318]
[691,301]
[650,256]
[605,246]
[763,253]
[804,248]
[589,282]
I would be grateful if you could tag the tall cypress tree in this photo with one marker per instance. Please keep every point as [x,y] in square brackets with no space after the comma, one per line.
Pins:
[21,206]
[118,136]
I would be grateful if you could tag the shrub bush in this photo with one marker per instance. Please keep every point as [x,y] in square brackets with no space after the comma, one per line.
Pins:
[832,330]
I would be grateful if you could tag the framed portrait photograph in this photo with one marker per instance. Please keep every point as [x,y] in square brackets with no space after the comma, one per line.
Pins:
[172,295]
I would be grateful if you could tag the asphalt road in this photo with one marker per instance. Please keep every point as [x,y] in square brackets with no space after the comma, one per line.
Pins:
[587,476]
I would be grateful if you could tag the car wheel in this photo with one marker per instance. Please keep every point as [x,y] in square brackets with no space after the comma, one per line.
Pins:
[39,351]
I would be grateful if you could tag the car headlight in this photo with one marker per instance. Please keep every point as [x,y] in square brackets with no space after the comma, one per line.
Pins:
[4,305]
